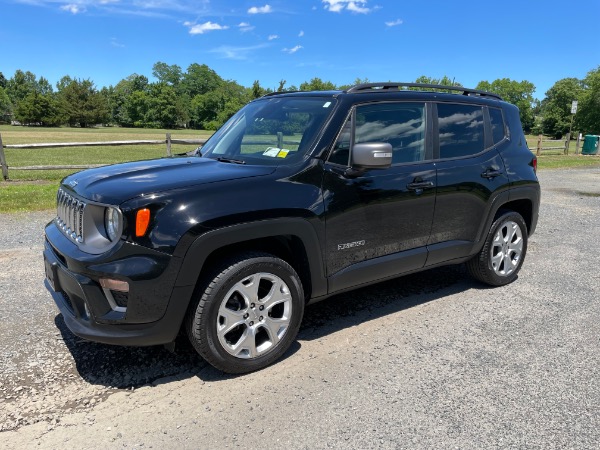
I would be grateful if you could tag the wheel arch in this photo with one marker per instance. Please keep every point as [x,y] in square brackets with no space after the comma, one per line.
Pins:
[523,207]
[293,240]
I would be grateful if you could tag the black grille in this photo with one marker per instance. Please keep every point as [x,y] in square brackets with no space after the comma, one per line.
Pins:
[120,298]
[67,301]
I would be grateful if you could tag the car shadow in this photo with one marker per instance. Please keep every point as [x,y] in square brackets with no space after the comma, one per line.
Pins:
[126,367]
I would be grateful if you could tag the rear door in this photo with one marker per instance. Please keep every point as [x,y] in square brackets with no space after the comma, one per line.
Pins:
[470,175]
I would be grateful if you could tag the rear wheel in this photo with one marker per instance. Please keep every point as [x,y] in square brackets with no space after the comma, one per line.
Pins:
[502,255]
[246,313]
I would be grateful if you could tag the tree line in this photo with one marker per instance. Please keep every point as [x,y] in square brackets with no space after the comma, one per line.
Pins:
[199,98]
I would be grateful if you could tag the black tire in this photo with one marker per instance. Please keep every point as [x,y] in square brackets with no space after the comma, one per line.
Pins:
[498,263]
[235,279]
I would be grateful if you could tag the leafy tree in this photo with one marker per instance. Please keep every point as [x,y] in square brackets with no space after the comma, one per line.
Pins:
[556,107]
[64,82]
[171,75]
[200,79]
[316,84]
[257,90]
[82,104]
[44,86]
[212,109]
[444,81]
[519,93]
[39,109]
[136,108]
[3,81]
[5,106]
[588,114]
[20,86]
[164,109]
[120,104]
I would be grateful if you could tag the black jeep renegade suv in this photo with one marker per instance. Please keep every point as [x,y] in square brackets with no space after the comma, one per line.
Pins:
[297,197]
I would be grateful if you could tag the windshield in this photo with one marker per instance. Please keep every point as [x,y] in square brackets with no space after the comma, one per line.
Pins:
[272,131]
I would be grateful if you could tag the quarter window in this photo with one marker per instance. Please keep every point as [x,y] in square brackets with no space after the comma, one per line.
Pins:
[497,123]
[341,150]
[460,130]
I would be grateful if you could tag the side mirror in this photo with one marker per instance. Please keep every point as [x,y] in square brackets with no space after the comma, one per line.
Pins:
[371,155]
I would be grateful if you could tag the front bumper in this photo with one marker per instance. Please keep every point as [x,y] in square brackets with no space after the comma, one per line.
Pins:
[155,308]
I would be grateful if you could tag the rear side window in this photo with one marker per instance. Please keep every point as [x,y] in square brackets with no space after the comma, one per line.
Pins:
[497,122]
[460,130]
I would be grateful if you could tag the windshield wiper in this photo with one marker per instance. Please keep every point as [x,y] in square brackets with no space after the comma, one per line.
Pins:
[230,160]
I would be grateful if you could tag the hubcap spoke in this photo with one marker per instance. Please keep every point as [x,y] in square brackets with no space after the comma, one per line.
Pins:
[275,328]
[230,319]
[279,293]
[246,346]
[248,287]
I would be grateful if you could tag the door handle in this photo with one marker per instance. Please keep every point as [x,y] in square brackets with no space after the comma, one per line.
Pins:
[491,173]
[419,185]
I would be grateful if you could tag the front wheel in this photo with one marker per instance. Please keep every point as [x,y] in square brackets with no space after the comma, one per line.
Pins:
[247,313]
[502,255]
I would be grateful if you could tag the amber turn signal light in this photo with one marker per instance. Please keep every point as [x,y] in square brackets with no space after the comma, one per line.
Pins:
[142,220]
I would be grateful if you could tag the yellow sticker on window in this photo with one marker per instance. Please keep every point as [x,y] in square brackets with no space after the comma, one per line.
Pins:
[283,153]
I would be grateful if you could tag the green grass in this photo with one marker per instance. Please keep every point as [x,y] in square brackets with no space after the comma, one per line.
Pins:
[567,161]
[18,196]
[83,155]
[35,190]
[556,159]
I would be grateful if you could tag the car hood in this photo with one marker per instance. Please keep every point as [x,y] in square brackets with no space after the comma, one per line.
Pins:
[120,182]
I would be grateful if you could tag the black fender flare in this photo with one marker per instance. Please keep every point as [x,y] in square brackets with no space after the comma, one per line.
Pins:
[529,192]
[207,243]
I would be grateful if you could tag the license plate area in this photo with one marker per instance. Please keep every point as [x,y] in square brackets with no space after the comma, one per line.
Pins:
[52,274]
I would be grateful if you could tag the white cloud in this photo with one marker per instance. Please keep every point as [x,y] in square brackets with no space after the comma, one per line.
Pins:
[115,43]
[237,53]
[273,37]
[355,6]
[301,33]
[204,27]
[292,50]
[260,9]
[73,8]
[166,9]
[245,26]
[394,23]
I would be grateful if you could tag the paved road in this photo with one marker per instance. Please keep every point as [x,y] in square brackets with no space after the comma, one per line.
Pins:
[433,360]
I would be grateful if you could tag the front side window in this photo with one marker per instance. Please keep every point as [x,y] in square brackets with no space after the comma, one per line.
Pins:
[272,131]
[460,130]
[400,124]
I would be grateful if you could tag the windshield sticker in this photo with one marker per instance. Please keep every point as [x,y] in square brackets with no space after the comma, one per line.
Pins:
[327,105]
[283,153]
[272,152]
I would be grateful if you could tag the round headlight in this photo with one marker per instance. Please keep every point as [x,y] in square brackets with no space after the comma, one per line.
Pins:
[112,221]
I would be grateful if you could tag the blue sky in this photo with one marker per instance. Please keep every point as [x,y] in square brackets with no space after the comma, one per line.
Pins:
[336,40]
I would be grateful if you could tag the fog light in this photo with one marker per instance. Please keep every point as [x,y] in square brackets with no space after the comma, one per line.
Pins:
[114,285]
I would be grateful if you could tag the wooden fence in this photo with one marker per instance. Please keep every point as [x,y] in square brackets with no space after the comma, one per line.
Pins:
[168,141]
[539,148]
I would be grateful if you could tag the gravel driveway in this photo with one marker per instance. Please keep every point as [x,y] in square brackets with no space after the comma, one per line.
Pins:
[432,360]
